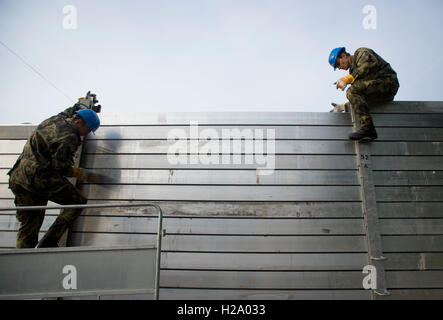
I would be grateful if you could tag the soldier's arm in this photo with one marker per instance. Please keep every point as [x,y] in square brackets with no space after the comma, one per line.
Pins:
[366,63]
[69,112]
[63,155]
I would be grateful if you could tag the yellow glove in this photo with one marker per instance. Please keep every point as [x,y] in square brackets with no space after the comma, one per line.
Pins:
[342,83]
[80,173]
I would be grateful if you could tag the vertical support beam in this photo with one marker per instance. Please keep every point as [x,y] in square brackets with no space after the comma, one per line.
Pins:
[370,213]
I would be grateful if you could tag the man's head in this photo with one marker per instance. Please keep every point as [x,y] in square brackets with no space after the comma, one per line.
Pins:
[85,121]
[339,58]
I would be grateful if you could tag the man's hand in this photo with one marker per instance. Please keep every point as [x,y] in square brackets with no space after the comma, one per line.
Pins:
[338,107]
[80,174]
[342,83]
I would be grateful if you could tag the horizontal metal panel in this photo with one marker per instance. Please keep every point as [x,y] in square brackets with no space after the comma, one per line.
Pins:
[411,226]
[237,294]
[310,132]
[412,178]
[412,243]
[222,193]
[233,118]
[411,261]
[265,280]
[223,209]
[408,107]
[414,279]
[222,226]
[125,269]
[219,147]
[429,193]
[20,131]
[409,134]
[227,177]
[105,161]
[11,146]
[407,163]
[263,261]
[8,239]
[8,160]
[254,209]
[4,178]
[409,120]
[410,210]
[229,243]
[406,148]
[414,294]
[10,222]
[5,192]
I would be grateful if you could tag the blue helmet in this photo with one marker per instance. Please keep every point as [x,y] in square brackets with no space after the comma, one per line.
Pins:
[90,118]
[334,54]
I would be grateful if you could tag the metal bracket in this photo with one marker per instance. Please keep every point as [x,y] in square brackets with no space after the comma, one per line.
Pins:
[384,293]
[381,258]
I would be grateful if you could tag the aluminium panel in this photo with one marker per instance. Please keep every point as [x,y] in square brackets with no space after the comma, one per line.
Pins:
[412,193]
[231,243]
[222,131]
[402,148]
[415,279]
[421,107]
[263,261]
[238,294]
[411,226]
[414,261]
[262,280]
[407,162]
[94,269]
[220,147]
[408,178]
[222,226]
[172,161]
[225,177]
[412,243]
[410,209]
[409,120]
[239,209]
[222,193]
[223,118]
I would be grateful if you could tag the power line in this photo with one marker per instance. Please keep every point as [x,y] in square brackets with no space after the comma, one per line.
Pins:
[36,71]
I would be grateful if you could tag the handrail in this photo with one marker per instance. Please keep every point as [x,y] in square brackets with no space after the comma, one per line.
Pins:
[84,206]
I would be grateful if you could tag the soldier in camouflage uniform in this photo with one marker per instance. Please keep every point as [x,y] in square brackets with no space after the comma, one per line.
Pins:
[40,175]
[372,80]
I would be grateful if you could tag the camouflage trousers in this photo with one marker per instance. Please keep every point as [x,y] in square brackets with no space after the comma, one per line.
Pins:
[363,92]
[32,220]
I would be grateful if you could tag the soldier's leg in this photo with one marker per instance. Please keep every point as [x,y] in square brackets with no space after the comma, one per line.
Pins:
[381,90]
[68,194]
[30,220]
[357,96]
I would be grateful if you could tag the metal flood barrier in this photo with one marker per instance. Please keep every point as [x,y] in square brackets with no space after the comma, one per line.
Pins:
[81,271]
[331,207]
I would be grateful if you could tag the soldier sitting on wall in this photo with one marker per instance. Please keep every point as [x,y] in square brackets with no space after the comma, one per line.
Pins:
[40,174]
[372,80]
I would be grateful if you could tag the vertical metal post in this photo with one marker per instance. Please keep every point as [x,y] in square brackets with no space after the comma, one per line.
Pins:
[159,245]
[370,213]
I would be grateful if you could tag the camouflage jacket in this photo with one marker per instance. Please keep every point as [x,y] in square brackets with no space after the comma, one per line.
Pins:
[48,155]
[367,65]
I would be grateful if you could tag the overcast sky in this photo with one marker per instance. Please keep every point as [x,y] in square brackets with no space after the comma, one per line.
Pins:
[206,55]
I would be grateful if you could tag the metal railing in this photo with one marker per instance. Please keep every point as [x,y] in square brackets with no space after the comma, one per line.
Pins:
[116,205]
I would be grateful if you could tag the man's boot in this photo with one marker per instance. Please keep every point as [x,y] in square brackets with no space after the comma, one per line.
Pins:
[367,133]
[47,242]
